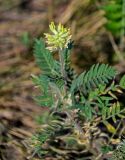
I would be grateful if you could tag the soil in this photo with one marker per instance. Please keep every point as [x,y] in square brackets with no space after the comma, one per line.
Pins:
[17,108]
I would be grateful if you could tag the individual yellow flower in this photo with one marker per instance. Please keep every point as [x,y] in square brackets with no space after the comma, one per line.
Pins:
[59,38]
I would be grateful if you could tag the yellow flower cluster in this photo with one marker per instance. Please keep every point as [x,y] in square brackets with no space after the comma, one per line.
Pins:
[59,38]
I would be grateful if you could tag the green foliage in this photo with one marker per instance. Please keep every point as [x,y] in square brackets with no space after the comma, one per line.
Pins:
[122,82]
[52,126]
[41,81]
[98,74]
[92,94]
[25,39]
[119,153]
[46,99]
[44,58]
[70,73]
[115,14]
[106,149]
[111,112]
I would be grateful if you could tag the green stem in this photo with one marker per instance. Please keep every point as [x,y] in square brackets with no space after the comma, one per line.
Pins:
[63,73]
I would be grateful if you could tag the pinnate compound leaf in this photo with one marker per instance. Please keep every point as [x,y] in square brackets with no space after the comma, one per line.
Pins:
[99,74]
[44,58]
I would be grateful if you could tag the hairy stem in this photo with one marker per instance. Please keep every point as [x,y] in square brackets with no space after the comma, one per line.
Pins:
[63,73]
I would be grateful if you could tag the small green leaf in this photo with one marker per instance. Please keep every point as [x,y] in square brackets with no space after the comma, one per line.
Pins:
[110,127]
[112,8]
[88,111]
[25,39]
[122,82]
[105,149]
